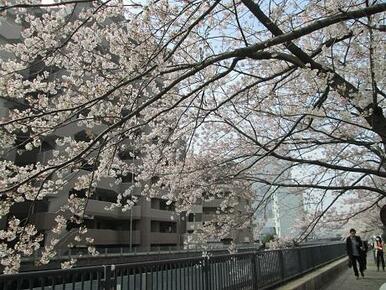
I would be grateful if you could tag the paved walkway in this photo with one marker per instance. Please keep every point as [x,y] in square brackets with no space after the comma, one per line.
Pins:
[373,280]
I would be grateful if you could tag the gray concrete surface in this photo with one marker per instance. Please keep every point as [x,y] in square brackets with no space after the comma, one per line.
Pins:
[373,279]
[318,278]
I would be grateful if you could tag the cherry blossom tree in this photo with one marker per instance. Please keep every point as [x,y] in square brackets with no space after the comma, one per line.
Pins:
[198,95]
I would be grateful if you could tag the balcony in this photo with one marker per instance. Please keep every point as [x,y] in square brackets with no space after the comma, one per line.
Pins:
[163,215]
[10,154]
[126,185]
[68,130]
[213,203]
[44,220]
[164,238]
[196,208]
[111,237]
[191,226]
[72,128]
[108,183]
[97,208]
[44,156]
[210,217]
[9,29]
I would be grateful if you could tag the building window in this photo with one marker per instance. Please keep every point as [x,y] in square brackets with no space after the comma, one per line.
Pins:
[191,217]
[195,217]
[163,227]
[166,227]
[128,154]
[155,203]
[163,205]
[209,210]
[83,136]
[128,178]
[77,193]
[27,157]
[85,165]
[105,195]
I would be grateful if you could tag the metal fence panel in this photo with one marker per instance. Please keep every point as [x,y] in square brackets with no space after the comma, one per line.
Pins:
[244,271]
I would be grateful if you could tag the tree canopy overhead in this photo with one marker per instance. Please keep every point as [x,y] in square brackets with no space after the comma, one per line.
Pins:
[202,95]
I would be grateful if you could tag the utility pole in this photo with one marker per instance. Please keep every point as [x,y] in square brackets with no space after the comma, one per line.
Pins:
[131,215]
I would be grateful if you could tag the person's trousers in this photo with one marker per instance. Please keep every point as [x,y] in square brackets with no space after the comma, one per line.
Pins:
[364,260]
[354,260]
[380,259]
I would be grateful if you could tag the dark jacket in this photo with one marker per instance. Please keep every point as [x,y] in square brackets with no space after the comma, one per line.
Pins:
[365,246]
[349,245]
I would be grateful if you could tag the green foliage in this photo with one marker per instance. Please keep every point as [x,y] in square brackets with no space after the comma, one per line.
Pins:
[267,238]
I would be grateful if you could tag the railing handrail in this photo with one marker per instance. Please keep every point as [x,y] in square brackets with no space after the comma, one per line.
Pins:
[164,252]
[165,261]
[52,272]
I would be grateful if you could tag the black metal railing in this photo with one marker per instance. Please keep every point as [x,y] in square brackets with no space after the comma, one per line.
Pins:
[250,270]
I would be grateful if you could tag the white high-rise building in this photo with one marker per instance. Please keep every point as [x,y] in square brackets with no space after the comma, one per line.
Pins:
[279,209]
[287,211]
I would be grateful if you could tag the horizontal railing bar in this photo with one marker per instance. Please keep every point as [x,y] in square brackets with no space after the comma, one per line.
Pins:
[53,272]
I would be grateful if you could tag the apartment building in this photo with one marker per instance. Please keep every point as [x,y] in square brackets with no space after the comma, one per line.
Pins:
[150,224]
[209,210]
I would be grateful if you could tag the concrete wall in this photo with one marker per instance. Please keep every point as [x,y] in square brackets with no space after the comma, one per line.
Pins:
[317,279]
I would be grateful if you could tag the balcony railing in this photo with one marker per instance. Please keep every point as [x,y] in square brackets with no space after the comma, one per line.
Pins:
[191,226]
[97,208]
[213,203]
[112,237]
[164,238]
[163,215]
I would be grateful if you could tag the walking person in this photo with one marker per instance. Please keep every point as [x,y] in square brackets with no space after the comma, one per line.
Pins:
[378,245]
[374,250]
[354,249]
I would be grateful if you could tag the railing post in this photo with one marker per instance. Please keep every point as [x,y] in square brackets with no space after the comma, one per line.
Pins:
[108,283]
[254,272]
[281,264]
[259,256]
[206,273]
[299,250]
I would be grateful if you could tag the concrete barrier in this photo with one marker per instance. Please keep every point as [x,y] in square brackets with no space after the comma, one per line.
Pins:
[318,279]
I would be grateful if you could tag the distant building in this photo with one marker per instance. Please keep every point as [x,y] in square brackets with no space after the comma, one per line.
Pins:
[280,209]
[287,211]
[209,210]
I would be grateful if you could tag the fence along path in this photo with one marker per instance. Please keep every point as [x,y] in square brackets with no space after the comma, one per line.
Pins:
[250,270]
